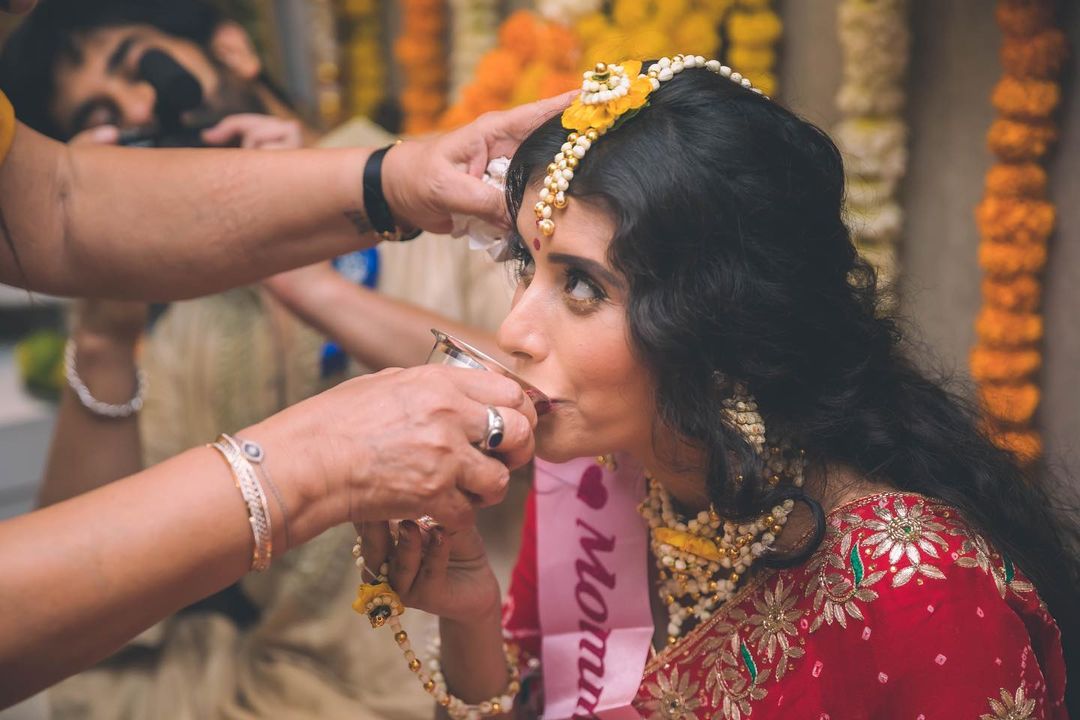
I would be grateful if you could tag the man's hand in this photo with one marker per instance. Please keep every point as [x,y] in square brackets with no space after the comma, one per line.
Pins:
[256,132]
[426,180]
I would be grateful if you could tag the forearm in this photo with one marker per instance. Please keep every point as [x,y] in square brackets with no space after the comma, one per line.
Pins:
[377,330]
[169,224]
[89,451]
[86,575]
[473,660]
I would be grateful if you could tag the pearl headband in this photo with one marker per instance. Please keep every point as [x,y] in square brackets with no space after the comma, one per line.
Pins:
[610,95]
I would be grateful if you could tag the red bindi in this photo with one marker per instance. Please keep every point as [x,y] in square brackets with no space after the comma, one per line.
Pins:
[536,243]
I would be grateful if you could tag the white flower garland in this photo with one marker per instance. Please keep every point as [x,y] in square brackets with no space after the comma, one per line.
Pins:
[875,40]
[474,28]
[567,11]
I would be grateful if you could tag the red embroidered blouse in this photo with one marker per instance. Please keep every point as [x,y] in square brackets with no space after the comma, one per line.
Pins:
[903,612]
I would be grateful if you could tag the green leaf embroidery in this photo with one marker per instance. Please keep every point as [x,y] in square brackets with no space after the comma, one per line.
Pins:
[1010,570]
[856,564]
[748,660]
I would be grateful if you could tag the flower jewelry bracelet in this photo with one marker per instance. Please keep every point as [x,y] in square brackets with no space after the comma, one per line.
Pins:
[382,606]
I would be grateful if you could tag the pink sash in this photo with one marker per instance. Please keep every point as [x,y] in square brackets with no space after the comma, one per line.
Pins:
[592,556]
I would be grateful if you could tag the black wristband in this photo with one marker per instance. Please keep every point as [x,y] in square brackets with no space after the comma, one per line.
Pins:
[375,205]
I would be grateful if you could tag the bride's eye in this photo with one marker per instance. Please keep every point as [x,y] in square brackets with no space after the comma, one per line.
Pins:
[581,290]
[524,269]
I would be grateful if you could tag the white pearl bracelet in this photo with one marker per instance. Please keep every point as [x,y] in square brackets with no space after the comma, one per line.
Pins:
[91,403]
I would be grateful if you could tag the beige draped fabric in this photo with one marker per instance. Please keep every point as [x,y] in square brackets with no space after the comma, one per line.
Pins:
[221,363]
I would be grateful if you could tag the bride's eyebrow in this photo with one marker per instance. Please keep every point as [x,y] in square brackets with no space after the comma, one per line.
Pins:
[588,266]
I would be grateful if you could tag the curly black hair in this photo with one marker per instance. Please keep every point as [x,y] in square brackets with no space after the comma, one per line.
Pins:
[730,233]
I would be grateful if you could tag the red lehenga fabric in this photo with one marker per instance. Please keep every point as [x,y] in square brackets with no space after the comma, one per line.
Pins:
[903,612]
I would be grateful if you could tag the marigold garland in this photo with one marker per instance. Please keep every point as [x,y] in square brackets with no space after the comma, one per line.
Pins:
[473,27]
[534,58]
[875,41]
[364,67]
[325,54]
[753,30]
[422,55]
[1015,220]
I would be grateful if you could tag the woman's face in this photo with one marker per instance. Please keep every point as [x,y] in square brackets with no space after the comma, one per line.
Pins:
[567,331]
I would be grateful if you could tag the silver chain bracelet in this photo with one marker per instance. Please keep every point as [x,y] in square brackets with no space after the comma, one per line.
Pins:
[91,403]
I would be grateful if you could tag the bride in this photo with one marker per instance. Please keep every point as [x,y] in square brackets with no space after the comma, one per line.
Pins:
[824,532]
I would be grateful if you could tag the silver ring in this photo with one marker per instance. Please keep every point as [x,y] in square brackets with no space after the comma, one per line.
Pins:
[495,430]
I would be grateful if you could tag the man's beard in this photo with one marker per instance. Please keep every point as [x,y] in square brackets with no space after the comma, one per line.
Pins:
[234,96]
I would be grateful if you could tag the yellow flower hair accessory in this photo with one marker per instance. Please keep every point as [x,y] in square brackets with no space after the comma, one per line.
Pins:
[610,94]
[379,602]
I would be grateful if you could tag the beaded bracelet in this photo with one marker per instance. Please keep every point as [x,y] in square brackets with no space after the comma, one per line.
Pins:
[252,491]
[381,604]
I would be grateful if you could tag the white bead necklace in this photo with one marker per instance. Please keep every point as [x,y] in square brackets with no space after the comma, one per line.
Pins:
[702,559]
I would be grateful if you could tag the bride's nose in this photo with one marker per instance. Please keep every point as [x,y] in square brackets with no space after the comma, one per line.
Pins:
[522,332]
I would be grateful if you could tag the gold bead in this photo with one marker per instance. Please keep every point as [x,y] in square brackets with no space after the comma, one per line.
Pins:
[429,685]
[672,640]
[552,167]
[592,135]
[538,208]
[734,577]
[401,637]
[774,480]
[572,162]
[714,586]
[669,600]
[445,701]
[547,227]
[414,665]
[769,520]
[777,528]
[601,67]
[740,541]
[560,200]
[572,137]
[496,708]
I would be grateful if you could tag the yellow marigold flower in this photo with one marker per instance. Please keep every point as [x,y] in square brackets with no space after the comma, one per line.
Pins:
[601,116]
[702,547]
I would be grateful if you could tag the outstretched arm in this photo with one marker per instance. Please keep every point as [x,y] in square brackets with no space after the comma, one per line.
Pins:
[168,224]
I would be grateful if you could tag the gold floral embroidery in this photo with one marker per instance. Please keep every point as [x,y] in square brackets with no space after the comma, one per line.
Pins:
[673,698]
[975,552]
[1011,707]
[906,531]
[732,675]
[774,626]
[841,580]
[752,641]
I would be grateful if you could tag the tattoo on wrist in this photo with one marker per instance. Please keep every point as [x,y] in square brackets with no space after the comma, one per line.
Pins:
[359,221]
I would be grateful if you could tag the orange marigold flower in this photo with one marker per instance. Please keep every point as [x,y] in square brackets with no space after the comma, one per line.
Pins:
[988,365]
[1024,18]
[556,83]
[1004,329]
[1021,293]
[419,101]
[1013,404]
[416,51]
[560,49]
[1026,445]
[1041,56]
[1017,141]
[1003,260]
[520,33]
[496,72]
[1030,98]
[423,22]
[1015,220]
[1016,179]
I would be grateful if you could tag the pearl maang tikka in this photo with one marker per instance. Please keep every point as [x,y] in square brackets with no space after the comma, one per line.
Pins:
[609,92]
